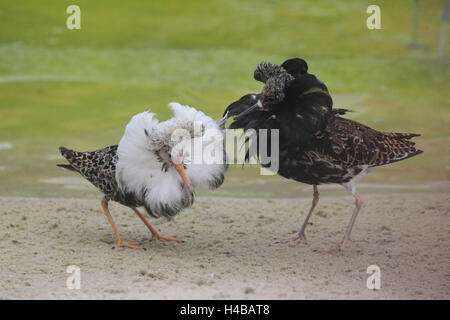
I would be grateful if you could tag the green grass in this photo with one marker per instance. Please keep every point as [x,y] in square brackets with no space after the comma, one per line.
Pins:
[80,87]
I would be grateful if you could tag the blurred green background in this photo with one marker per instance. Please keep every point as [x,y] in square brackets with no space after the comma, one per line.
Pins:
[79,88]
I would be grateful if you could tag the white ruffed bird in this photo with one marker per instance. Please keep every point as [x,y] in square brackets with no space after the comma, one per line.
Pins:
[157,165]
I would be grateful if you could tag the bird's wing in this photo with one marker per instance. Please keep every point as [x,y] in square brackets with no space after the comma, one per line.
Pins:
[351,144]
[139,129]
[307,90]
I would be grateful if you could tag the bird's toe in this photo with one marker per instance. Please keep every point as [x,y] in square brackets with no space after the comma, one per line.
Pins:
[298,236]
[131,244]
[170,237]
[339,247]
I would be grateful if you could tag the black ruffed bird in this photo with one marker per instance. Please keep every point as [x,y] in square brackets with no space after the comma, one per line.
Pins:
[316,145]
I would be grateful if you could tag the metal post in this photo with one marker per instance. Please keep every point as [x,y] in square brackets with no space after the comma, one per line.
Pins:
[443,26]
[413,43]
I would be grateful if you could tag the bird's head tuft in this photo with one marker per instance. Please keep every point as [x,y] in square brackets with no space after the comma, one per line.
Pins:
[273,91]
[266,70]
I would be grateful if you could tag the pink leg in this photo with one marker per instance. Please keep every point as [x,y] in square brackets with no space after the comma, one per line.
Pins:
[341,245]
[301,234]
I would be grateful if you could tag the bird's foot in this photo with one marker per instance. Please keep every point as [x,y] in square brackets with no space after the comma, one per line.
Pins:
[298,236]
[170,237]
[339,247]
[129,244]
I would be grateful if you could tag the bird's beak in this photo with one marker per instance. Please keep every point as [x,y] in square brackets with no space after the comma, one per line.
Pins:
[253,107]
[221,122]
[182,173]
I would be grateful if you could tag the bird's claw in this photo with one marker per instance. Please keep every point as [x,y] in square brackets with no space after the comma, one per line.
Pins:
[298,236]
[339,247]
[129,244]
[170,237]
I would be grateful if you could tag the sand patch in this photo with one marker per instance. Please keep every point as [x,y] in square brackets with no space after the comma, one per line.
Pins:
[230,250]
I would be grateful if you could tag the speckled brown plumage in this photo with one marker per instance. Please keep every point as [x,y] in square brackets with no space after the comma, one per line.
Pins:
[353,143]
[342,150]
[99,168]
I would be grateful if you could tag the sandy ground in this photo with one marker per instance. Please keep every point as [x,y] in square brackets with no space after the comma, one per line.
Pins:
[230,250]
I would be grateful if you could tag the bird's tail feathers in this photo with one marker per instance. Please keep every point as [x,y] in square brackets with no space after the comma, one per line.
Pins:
[66,153]
[67,167]
[69,155]
[399,147]
[400,135]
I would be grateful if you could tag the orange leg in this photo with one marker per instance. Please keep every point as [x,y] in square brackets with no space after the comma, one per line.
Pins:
[119,242]
[155,234]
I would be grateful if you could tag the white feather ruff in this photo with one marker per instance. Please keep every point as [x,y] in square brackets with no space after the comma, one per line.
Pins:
[206,174]
[139,170]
